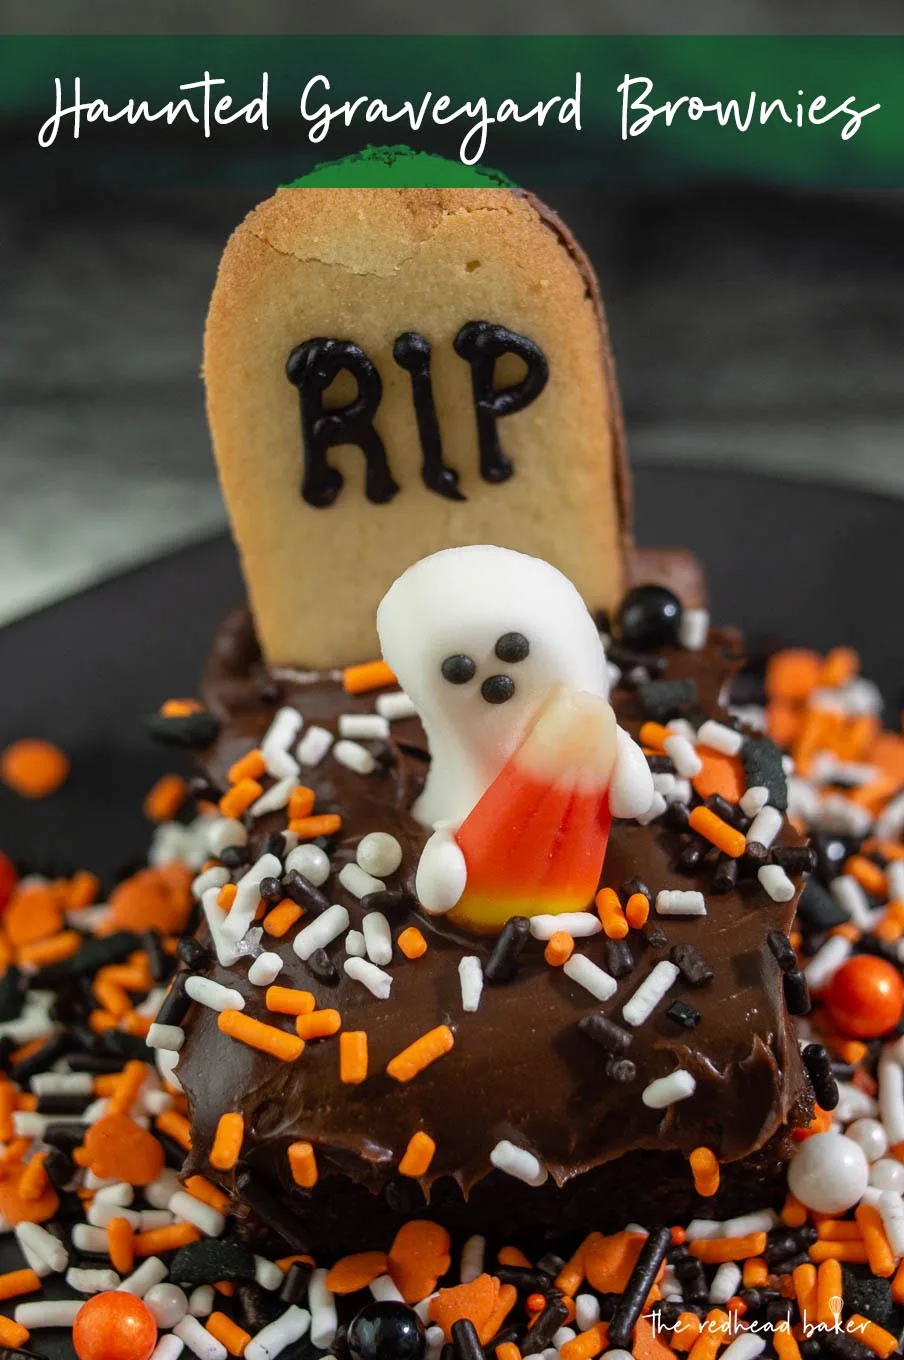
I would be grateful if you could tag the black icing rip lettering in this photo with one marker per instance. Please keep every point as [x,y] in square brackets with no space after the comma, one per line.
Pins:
[481,343]
[312,367]
[411,351]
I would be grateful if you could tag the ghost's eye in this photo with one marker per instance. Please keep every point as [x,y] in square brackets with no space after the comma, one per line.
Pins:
[458,669]
[512,647]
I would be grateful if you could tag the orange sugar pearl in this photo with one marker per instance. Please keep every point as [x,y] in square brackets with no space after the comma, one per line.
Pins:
[418,1155]
[353,1056]
[718,832]
[290,1001]
[12,1334]
[309,828]
[265,1038]
[33,768]
[228,1333]
[282,918]
[367,676]
[164,799]
[199,1187]
[424,1051]
[301,803]
[175,1126]
[239,798]
[535,1303]
[303,1165]
[250,766]
[52,950]
[318,1025]
[412,943]
[677,1235]
[227,1143]
[226,896]
[559,948]
[705,1170]
[171,1238]
[17,1282]
[121,1245]
[610,913]
[637,910]
[717,1250]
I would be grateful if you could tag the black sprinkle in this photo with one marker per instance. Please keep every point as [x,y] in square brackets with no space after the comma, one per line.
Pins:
[388,899]
[819,1070]
[677,815]
[323,968]
[191,729]
[62,1104]
[661,764]
[465,1341]
[158,962]
[692,855]
[275,844]
[550,1264]
[619,961]
[664,699]
[683,1014]
[610,1037]
[621,1070]
[212,1259]
[296,887]
[502,965]
[692,1278]
[722,808]
[66,1135]
[96,952]
[692,965]
[755,856]
[525,1279]
[654,935]
[794,859]
[258,1307]
[274,1212]
[14,1353]
[632,886]
[60,1168]
[192,953]
[763,768]
[544,1329]
[41,1060]
[725,875]
[12,993]
[234,856]
[124,1046]
[175,1005]
[630,1305]
[797,993]
[818,909]
[782,952]
[294,1287]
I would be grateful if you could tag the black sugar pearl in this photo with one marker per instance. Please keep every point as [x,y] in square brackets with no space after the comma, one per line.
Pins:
[619,961]
[621,1070]
[512,647]
[191,729]
[752,1299]
[272,1209]
[297,888]
[294,1288]
[797,993]
[393,1331]
[779,1246]
[458,669]
[810,1349]
[192,953]
[465,1341]
[632,886]
[234,856]
[683,1014]
[175,1005]
[502,965]
[610,1037]
[212,1259]
[664,699]
[270,889]
[691,964]
[781,950]
[649,616]
[795,859]
[819,1070]
[778,1311]
[544,1329]
[725,875]
[630,1305]
[498,689]
[654,935]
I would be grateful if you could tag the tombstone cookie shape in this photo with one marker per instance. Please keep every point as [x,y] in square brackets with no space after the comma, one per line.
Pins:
[394,371]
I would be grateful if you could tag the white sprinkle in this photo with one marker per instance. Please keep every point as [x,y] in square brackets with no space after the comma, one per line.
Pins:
[678,1085]
[693,630]
[354,880]
[718,737]
[891,1097]
[578,924]
[354,756]
[312,862]
[590,976]
[217,876]
[100,1213]
[223,832]
[44,1245]
[377,937]
[267,1274]
[169,1347]
[656,809]
[321,932]
[395,705]
[203,1216]
[369,975]
[642,1004]
[617,1354]
[891,1209]
[213,994]
[755,798]
[850,896]
[151,1219]
[586,1311]
[664,784]
[48,1313]
[62,1084]
[226,950]
[681,791]
[89,1239]
[279,736]
[423,1307]
[518,1162]
[160,1191]
[314,745]
[276,1336]
[765,827]
[167,1303]
[354,944]
[680,902]
[775,882]
[364,726]
[470,975]
[891,821]
[379,853]
[274,798]
[472,1255]
[120,1192]
[150,1272]
[265,969]
[682,728]
[894,874]
[200,1301]
[744,1347]
[323,1311]
[702,1229]
[761,1220]
[384,1290]
[199,1340]
[683,756]
[561,1338]
[247,897]
[826,962]
[91,1281]
[171,1037]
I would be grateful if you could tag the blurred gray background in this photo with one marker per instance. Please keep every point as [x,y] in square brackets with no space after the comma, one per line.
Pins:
[753,327]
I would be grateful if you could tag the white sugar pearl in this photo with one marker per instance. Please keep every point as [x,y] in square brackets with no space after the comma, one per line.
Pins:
[379,854]
[168,1303]
[829,1173]
[869,1135]
[887,1174]
[311,862]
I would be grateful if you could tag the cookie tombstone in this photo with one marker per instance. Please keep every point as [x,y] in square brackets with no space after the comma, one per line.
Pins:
[394,371]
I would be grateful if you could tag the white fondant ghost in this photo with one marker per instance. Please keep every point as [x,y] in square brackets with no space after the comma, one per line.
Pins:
[480,638]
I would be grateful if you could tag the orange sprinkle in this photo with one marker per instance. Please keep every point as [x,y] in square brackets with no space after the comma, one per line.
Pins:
[265,1038]
[290,1001]
[34,1181]
[303,1165]
[282,918]
[794,1214]
[586,1344]
[610,913]
[412,943]
[318,1025]
[199,1187]
[251,766]
[840,665]
[111,996]
[718,832]
[12,1334]
[33,912]
[239,798]
[180,708]
[164,799]
[838,1230]
[880,1342]
[424,1051]
[793,674]
[829,1288]
[654,735]
[716,1250]
[17,1282]
[637,911]
[559,948]
[878,1248]
[786,1347]
[418,1155]
[8,1095]
[712,1336]
[301,803]
[868,875]
[853,1253]
[227,1143]
[226,896]
[897,1284]
[52,950]
[803,1279]
[33,768]
[309,828]
[121,1244]
[352,1056]
[367,676]
[158,1240]
[228,1333]
[687,1328]
[175,1126]
[705,1170]
[507,1350]
[128,1084]
[571,1276]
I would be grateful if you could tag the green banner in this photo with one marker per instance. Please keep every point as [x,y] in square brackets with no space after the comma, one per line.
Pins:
[826,111]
